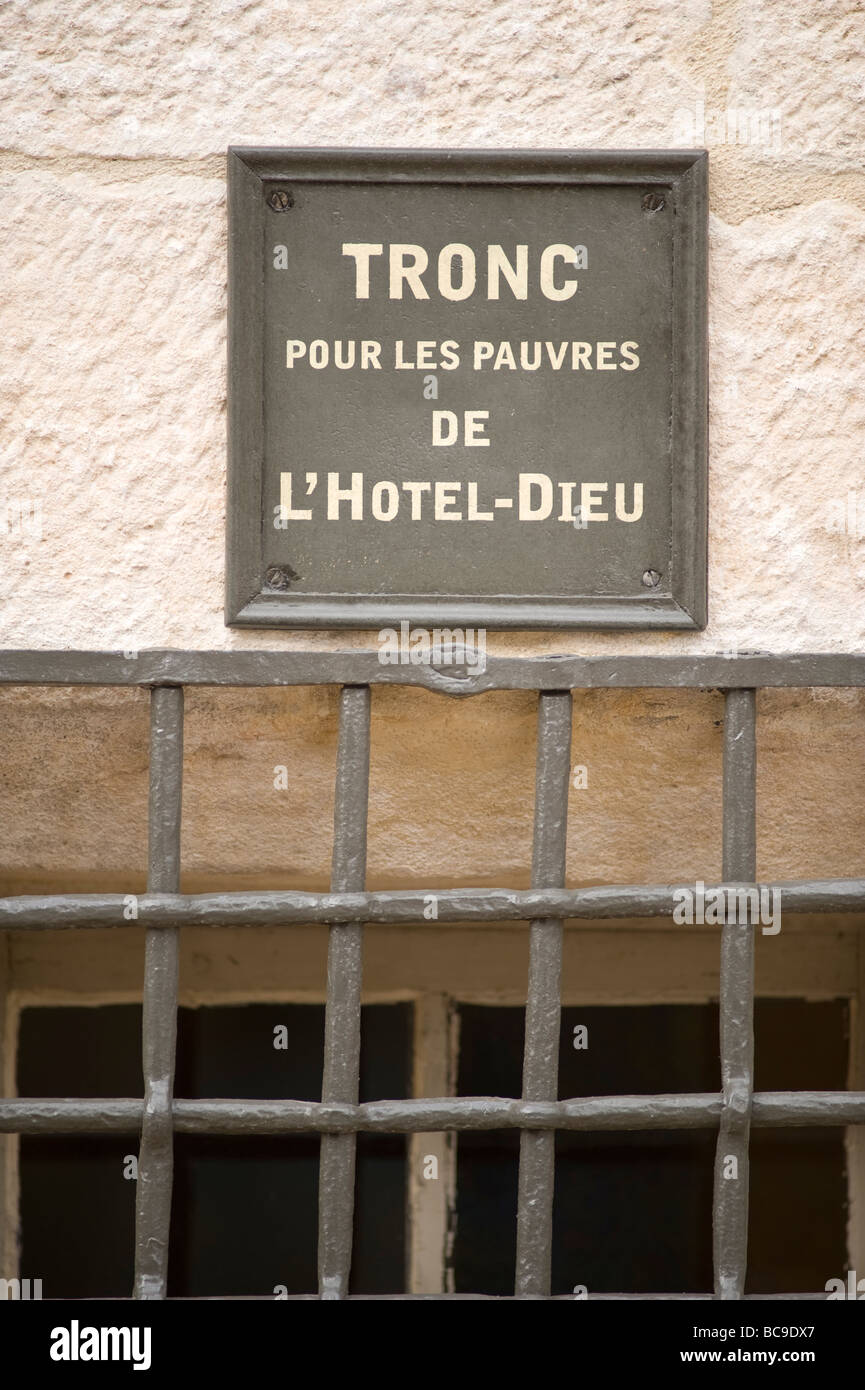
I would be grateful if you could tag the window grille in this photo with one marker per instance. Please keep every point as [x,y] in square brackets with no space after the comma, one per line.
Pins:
[163,910]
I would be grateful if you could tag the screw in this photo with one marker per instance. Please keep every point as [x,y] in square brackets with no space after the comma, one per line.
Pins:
[651,579]
[280,200]
[653,202]
[280,577]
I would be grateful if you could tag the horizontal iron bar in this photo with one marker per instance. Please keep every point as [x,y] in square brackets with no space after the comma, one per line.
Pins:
[358,667]
[483,1297]
[255,908]
[772,1110]
[506,1298]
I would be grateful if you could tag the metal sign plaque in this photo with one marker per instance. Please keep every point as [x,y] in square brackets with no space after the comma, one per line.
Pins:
[467,387]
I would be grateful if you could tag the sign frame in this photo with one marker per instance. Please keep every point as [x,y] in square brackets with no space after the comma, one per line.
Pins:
[252,600]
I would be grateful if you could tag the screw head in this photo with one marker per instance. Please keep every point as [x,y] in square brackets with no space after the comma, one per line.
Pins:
[651,579]
[279,577]
[280,200]
[653,201]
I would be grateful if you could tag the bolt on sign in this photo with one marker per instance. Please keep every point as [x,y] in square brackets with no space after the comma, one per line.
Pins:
[467,387]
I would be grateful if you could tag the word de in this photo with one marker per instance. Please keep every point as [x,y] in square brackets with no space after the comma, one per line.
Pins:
[446,428]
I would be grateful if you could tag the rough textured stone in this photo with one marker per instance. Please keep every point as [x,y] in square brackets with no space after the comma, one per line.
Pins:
[787,423]
[804,62]
[186,80]
[114,392]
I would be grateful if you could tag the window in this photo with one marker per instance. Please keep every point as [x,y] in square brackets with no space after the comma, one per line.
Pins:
[632,1211]
[512,943]
[244,1208]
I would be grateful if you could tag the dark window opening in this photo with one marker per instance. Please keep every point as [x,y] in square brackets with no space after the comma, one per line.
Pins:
[633,1210]
[244,1211]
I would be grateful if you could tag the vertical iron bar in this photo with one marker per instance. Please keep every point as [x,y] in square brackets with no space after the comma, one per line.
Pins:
[159,1021]
[342,1017]
[543,999]
[730,1209]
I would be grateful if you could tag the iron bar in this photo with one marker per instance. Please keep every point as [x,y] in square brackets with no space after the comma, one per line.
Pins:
[730,1206]
[771,1110]
[703,671]
[342,1015]
[159,1022]
[543,998]
[62,911]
